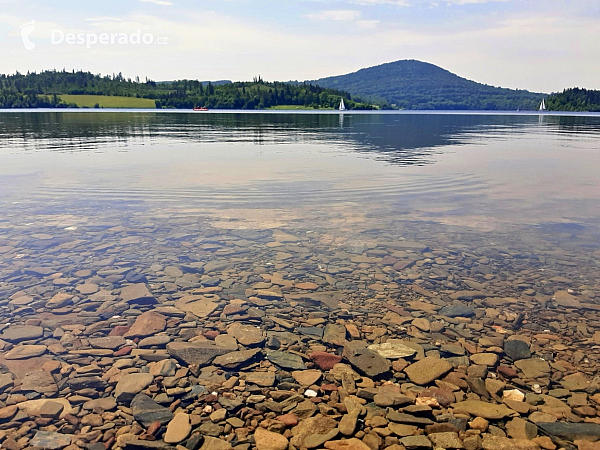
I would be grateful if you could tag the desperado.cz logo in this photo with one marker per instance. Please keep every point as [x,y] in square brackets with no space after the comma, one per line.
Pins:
[58,37]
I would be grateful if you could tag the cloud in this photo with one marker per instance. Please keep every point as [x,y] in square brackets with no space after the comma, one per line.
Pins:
[367,24]
[336,14]
[103,19]
[158,2]
[380,2]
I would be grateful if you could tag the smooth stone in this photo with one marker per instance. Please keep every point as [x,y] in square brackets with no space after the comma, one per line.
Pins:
[457,310]
[131,385]
[26,351]
[516,349]
[335,334]
[484,359]
[393,349]
[8,412]
[247,335]
[33,407]
[347,444]
[39,381]
[367,362]
[307,377]
[233,360]
[147,324]
[324,360]
[502,443]
[197,353]
[18,333]
[427,370]
[155,341]
[348,422]
[51,409]
[226,341]
[268,440]
[483,409]
[402,430]
[318,424]
[107,342]
[571,431]
[178,429]
[104,403]
[448,439]
[285,360]
[147,411]
[50,440]
[198,306]
[416,442]
[164,368]
[138,293]
[262,379]
[533,367]
[212,443]
[316,440]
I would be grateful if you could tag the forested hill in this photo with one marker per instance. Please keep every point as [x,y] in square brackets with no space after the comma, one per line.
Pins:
[574,99]
[411,84]
[61,89]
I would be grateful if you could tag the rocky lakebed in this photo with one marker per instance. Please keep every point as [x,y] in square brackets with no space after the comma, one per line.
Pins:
[155,335]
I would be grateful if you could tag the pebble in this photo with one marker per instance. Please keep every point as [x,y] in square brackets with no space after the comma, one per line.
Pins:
[280,339]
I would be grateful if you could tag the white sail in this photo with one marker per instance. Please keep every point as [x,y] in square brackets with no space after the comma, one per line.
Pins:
[543,105]
[342,106]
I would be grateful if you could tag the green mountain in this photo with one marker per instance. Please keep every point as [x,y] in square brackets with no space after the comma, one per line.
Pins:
[411,84]
[574,99]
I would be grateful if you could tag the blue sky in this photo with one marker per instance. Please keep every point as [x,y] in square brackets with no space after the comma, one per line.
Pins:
[540,45]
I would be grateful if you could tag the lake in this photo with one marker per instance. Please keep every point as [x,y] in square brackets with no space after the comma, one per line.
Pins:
[223,264]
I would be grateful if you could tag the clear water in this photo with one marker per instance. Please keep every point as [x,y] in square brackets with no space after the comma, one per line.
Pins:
[133,189]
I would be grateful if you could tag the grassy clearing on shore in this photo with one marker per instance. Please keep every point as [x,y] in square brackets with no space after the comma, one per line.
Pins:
[106,101]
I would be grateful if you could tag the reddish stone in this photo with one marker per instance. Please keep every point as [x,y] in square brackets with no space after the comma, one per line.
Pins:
[445,397]
[291,420]
[211,334]
[233,309]
[123,351]
[389,261]
[329,387]
[325,360]
[119,330]
[508,372]
[152,429]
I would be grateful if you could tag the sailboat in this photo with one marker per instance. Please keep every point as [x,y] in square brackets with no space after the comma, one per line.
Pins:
[543,105]
[342,106]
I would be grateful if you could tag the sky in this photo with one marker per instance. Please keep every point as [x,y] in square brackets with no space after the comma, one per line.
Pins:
[538,45]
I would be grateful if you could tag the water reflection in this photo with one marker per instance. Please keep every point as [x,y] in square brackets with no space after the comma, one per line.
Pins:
[397,139]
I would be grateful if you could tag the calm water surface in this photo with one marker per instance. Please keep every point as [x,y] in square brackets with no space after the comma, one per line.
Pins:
[145,188]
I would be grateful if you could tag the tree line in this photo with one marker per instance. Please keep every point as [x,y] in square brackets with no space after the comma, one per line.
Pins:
[574,99]
[37,90]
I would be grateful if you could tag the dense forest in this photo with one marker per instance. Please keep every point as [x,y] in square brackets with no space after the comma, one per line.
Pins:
[35,90]
[411,84]
[574,99]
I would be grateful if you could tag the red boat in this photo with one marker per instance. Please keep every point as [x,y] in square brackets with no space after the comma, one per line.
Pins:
[197,108]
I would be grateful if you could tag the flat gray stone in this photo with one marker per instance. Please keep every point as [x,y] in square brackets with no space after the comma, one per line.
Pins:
[131,385]
[147,411]
[197,353]
[18,333]
[286,360]
[51,441]
[138,293]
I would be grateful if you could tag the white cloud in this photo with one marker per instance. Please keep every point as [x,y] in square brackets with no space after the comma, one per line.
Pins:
[380,2]
[103,19]
[158,2]
[367,24]
[336,14]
